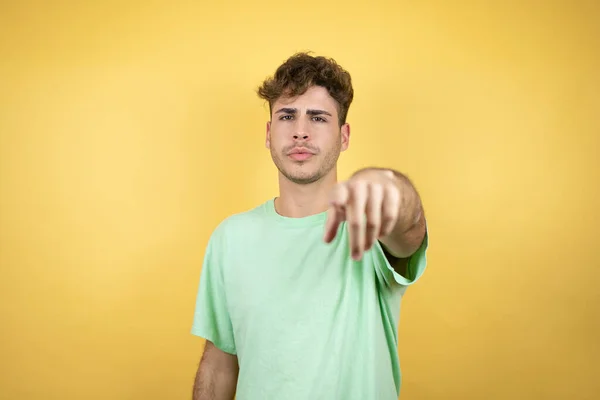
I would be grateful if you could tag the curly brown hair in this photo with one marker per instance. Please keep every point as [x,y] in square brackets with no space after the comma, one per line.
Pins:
[301,71]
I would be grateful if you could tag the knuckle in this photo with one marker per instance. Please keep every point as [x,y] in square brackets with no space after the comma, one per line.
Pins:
[388,218]
[355,224]
[391,188]
[356,184]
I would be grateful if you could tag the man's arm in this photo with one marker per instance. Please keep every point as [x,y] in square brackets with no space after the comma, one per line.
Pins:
[409,230]
[216,378]
[393,209]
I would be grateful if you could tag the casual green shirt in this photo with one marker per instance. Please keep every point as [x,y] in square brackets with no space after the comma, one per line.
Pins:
[305,320]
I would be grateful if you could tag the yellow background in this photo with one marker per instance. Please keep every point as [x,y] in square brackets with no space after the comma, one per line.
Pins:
[128,130]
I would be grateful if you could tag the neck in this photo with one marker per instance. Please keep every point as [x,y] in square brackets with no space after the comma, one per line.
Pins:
[297,201]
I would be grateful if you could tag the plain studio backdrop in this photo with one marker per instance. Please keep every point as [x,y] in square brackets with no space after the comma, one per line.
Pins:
[130,129]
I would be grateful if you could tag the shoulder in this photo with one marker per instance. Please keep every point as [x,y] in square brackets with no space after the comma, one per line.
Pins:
[240,223]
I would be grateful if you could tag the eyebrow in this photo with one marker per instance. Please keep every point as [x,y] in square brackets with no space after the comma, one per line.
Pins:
[286,110]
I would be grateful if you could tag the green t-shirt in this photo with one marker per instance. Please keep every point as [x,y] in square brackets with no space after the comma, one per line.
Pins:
[305,320]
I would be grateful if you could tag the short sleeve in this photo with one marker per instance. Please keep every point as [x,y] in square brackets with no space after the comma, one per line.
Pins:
[211,316]
[417,264]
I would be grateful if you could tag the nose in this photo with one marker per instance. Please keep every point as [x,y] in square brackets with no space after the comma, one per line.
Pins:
[302,136]
[301,130]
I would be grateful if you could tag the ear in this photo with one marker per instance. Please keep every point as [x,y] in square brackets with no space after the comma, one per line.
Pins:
[345,136]
[268,137]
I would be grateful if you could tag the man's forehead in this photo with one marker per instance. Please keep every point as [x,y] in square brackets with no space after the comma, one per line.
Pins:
[310,99]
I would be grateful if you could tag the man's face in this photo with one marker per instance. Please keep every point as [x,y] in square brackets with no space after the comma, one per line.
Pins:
[304,135]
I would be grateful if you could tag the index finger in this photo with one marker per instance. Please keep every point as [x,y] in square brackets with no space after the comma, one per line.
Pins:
[335,216]
[336,212]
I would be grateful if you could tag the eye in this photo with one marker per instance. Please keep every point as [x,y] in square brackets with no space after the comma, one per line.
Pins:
[285,117]
[319,119]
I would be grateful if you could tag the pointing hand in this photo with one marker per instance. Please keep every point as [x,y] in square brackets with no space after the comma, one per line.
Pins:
[371,193]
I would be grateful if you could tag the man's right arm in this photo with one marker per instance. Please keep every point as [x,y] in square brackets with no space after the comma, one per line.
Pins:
[216,378]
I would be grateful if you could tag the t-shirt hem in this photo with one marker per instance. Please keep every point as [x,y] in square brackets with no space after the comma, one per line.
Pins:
[212,338]
[416,265]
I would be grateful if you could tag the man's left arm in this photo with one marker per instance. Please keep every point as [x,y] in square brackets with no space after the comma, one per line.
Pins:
[409,230]
[394,215]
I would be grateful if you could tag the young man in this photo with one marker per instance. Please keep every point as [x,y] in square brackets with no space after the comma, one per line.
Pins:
[299,298]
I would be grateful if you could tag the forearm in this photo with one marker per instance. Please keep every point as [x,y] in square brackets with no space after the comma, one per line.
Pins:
[217,375]
[411,209]
[409,230]
[212,384]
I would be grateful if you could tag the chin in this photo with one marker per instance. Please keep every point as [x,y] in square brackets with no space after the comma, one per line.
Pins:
[299,173]
[302,177]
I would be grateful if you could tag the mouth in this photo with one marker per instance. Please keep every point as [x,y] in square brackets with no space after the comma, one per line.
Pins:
[300,154]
